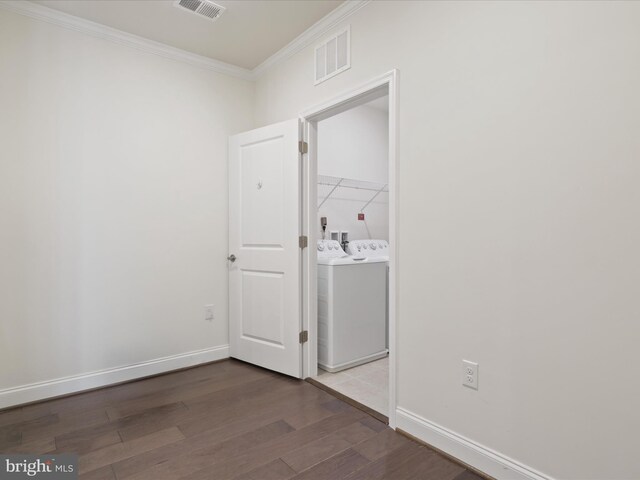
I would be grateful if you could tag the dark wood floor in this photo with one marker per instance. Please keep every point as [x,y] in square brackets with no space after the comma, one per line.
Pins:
[226,420]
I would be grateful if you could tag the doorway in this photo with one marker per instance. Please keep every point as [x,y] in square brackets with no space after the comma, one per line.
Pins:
[274,230]
[349,206]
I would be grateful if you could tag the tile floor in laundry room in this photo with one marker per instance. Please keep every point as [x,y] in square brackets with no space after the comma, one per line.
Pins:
[367,384]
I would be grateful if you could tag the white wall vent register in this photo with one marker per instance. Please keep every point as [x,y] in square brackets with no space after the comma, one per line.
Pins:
[333,55]
[204,8]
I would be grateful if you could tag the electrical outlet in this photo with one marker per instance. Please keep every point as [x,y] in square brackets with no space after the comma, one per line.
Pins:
[208,313]
[470,374]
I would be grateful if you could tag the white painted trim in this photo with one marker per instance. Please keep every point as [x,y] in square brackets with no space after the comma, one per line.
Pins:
[394,244]
[344,100]
[472,453]
[309,276]
[311,35]
[77,383]
[71,22]
[78,24]
[310,117]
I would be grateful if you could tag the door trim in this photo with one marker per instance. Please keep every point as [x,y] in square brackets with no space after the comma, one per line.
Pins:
[310,117]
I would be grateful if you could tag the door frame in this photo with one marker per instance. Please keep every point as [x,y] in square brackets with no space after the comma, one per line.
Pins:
[387,83]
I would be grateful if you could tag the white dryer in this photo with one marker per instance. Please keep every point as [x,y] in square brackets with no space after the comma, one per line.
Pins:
[351,308]
[374,249]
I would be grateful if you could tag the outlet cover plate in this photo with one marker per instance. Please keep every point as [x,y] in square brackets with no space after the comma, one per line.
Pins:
[470,374]
[209,313]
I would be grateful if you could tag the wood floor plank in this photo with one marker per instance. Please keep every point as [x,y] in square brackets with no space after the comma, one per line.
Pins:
[222,421]
[148,460]
[275,470]
[176,394]
[13,434]
[227,405]
[315,452]
[381,444]
[194,459]
[84,440]
[314,412]
[356,432]
[286,405]
[70,405]
[229,426]
[337,467]
[239,392]
[35,447]
[410,461]
[336,406]
[181,378]
[64,425]
[326,447]
[374,424]
[10,438]
[87,439]
[253,457]
[103,473]
[468,475]
[395,464]
[113,453]
[154,411]
[11,417]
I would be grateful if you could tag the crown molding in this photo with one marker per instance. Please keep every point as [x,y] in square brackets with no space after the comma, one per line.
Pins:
[98,30]
[310,35]
[71,22]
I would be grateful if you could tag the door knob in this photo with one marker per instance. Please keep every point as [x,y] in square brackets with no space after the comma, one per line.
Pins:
[231,258]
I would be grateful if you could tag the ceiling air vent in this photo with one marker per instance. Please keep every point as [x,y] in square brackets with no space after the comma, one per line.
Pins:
[333,56]
[203,8]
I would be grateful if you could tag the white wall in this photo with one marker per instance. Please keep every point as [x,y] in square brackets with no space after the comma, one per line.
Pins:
[355,145]
[342,211]
[518,185]
[113,205]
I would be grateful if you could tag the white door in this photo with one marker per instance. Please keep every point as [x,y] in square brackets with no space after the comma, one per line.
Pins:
[264,251]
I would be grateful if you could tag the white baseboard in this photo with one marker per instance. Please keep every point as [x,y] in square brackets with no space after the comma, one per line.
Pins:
[478,456]
[86,381]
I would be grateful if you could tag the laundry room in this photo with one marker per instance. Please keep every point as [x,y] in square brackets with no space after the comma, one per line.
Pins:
[353,253]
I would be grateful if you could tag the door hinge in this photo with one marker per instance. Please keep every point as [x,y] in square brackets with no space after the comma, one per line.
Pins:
[303,146]
[303,241]
[304,336]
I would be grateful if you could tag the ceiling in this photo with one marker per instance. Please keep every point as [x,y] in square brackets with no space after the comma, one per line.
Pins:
[246,34]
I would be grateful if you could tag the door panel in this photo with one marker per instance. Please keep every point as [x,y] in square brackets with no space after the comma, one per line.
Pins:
[264,225]
[262,213]
[263,309]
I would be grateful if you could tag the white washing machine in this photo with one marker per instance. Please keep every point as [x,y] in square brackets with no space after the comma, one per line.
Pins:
[378,249]
[351,308]
[369,248]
